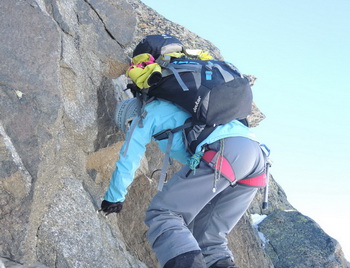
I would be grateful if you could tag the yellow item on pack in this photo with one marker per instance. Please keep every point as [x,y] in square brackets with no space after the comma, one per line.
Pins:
[144,72]
[199,54]
[144,58]
[176,54]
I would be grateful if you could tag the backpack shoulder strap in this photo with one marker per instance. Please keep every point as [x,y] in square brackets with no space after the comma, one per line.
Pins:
[168,134]
[166,161]
[196,137]
[139,120]
[164,134]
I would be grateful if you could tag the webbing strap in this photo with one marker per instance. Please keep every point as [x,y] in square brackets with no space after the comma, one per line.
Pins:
[166,72]
[196,75]
[195,69]
[216,161]
[168,134]
[186,67]
[165,162]
[179,68]
[194,133]
[162,135]
[127,142]
[138,120]
[258,181]
[178,78]
[225,74]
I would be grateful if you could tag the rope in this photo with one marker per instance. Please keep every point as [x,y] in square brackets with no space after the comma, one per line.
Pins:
[194,161]
[217,171]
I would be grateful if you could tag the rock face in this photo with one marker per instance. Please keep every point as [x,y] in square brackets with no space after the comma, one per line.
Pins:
[306,242]
[60,79]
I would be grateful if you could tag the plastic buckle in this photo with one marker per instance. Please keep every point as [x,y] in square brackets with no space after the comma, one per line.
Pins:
[162,135]
[208,75]
[163,61]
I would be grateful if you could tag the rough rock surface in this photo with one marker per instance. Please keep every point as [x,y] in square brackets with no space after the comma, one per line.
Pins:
[308,245]
[60,67]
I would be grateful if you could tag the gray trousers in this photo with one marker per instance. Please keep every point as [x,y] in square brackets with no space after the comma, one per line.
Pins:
[187,215]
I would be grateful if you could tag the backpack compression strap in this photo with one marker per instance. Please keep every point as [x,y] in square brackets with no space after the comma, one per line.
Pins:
[179,66]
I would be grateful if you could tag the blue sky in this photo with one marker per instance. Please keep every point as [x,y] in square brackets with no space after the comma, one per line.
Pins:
[300,52]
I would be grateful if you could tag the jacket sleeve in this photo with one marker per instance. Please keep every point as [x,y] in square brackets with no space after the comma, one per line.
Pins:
[127,164]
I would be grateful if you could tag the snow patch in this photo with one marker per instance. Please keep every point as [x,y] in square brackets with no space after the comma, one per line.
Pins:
[256,220]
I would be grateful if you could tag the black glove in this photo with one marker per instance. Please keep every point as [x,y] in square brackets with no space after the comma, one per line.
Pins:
[109,207]
[154,78]
[133,88]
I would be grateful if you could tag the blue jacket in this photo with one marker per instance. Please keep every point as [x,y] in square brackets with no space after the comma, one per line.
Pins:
[161,115]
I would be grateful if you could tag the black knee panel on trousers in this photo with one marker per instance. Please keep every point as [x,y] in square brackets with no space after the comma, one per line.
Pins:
[191,259]
[224,263]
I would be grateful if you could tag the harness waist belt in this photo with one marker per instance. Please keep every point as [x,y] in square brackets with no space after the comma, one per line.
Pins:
[258,181]
[223,165]
[219,163]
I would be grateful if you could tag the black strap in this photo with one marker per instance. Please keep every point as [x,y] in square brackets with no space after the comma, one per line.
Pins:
[192,144]
[166,161]
[164,134]
[192,140]
[244,121]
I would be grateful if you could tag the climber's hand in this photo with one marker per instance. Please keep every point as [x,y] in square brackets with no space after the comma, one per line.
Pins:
[110,207]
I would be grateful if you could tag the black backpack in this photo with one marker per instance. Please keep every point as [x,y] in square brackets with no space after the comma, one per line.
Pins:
[213,92]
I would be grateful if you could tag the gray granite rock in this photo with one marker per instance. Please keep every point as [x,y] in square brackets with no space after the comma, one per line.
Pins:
[60,79]
[295,240]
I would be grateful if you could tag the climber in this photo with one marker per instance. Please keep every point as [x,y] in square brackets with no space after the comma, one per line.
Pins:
[188,222]
[190,217]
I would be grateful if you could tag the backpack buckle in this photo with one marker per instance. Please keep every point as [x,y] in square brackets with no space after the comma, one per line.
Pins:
[162,135]
[163,60]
